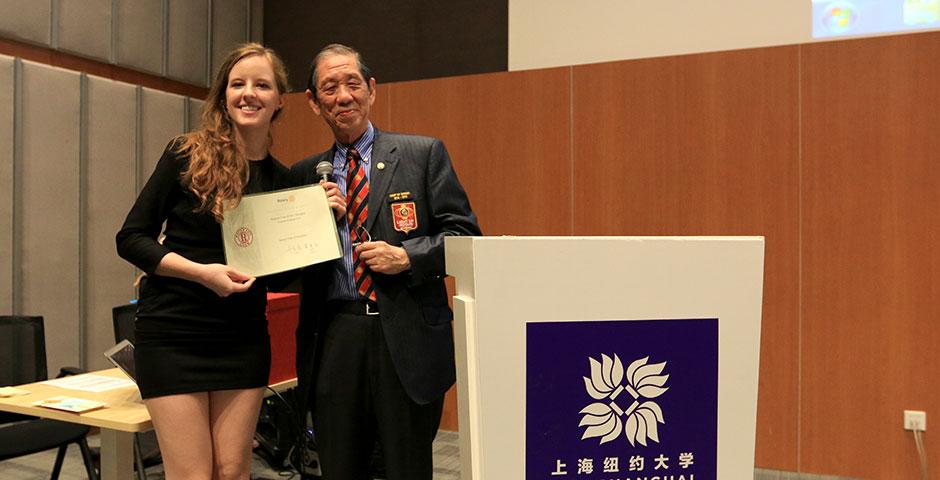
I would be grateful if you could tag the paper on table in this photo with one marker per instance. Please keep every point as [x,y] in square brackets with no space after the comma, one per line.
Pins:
[12,392]
[89,382]
[69,404]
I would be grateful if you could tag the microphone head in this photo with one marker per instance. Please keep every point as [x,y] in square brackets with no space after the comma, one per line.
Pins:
[324,169]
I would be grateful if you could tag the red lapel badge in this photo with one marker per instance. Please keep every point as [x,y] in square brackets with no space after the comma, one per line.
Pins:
[404,217]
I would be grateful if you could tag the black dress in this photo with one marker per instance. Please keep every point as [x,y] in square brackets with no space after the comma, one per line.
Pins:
[188,339]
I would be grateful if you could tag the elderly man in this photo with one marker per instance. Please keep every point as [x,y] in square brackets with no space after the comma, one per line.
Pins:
[375,345]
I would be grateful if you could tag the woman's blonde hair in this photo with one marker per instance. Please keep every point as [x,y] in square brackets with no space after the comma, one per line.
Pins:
[218,169]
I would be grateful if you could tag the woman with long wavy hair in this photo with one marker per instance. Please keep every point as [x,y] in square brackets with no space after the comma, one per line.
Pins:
[202,346]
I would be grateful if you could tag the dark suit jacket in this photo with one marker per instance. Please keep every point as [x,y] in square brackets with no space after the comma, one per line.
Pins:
[415,316]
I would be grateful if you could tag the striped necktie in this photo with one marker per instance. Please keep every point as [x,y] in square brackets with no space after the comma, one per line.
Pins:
[357,195]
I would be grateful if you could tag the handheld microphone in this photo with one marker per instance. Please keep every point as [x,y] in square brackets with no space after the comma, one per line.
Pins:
[324,170]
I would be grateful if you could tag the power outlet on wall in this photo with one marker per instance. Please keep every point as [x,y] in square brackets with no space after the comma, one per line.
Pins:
[915,420]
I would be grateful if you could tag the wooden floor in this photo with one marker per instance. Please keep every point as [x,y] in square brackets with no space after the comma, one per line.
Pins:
[39,466]
[446,466]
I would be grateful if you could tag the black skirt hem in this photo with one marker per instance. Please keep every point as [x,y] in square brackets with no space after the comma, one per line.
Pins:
[197,389]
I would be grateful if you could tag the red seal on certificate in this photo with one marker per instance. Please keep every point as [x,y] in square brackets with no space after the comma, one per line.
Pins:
[403,216]
[243,237]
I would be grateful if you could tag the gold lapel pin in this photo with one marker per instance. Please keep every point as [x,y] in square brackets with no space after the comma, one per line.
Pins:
[380,166]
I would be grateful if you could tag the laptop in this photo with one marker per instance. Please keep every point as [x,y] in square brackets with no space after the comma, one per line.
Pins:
[122,356]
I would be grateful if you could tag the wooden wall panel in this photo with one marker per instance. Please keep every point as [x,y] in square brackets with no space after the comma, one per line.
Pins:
[229,27]
[187,54]
[176,38]
[703,145]
[84,28]
[47,214]
[508,137]
[7,88]
[30,23]
[91,67]
[194,114]
[138,35]
[161,117]
[108,188]
[871,275]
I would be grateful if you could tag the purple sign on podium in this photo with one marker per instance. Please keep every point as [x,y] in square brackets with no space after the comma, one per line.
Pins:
[622,400]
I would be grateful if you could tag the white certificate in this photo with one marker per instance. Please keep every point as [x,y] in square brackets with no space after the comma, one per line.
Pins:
[281,230]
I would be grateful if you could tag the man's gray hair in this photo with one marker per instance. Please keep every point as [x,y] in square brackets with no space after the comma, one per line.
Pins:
[336,49]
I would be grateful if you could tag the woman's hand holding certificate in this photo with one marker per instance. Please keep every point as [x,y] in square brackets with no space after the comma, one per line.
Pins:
[281,230]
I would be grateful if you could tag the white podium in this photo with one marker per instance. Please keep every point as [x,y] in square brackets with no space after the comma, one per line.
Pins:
[607,358]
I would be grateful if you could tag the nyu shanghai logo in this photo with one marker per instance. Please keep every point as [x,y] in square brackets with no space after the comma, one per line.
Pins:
[624,400]
[638,399]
